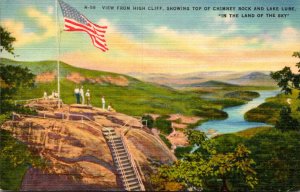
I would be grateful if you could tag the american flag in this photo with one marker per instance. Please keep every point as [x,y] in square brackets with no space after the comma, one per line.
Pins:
[75,21]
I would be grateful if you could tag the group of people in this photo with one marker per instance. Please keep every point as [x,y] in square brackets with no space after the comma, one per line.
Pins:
[80,98]
[54,95]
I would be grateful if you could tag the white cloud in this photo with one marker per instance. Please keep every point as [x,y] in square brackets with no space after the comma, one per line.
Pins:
[227,24]
[50,10]
[23,37]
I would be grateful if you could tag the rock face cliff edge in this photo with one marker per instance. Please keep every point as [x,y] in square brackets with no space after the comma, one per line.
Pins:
[78,153]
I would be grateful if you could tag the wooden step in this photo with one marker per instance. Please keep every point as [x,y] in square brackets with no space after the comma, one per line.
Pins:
[131,179]
[113,137]
[115,140]
[129,176]
[129,171]
[117,145]
[133,183]
[124,160]
[107,133]
[124,164]
[134,188]
[119,150]
[125,167]
[121,157]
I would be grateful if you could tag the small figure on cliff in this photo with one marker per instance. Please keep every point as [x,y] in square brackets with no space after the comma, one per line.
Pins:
[77,95]
[82,95]
[51,96]
[88,97]
[103,102]
[109,108]
[45,95]
[55,94]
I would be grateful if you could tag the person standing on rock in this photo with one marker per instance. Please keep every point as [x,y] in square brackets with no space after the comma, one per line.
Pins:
[77,94]
[45,95]
[88,97]
[103,102]
[110,108]
[55,94]
[82,95]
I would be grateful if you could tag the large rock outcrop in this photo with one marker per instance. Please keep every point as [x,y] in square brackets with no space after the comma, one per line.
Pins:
[78,154]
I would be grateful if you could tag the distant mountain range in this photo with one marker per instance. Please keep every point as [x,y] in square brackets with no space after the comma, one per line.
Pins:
[209,79]
[213,83]
[254,78]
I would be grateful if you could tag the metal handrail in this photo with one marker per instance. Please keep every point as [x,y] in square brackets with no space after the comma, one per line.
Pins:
[77,115]
[16,101]
[43,117]
[36,99]
[133,164]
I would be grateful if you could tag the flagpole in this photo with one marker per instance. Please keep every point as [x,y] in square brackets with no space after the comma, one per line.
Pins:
[58,52]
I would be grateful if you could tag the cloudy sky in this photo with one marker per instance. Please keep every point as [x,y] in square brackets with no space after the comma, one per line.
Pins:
[159,41]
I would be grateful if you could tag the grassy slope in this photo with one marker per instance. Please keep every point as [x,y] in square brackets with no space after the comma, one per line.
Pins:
[244,95]
[232,96]
[136,99]
[213,83]
[248,133]
[269,111]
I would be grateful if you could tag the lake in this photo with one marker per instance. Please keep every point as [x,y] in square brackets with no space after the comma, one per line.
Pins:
[235,121]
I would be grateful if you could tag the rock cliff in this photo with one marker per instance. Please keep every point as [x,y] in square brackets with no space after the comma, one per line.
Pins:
[70,139]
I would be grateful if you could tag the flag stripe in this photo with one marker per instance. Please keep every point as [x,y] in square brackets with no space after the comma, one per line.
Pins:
[82,28]
[97,44]
[98,26]
[80,25]
[94,38]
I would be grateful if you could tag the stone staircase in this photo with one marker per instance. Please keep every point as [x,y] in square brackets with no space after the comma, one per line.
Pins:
[122,159]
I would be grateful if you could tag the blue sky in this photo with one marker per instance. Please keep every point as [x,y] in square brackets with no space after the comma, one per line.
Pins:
[159,40]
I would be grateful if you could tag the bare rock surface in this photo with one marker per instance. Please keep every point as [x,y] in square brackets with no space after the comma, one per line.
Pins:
[77,153]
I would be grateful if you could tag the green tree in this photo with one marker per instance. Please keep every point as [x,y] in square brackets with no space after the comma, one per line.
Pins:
[148,120]
[286,79]
[6,40]
[204,169]
[286,121]
[164,125]
[15,159]
[12,78]
[279,160]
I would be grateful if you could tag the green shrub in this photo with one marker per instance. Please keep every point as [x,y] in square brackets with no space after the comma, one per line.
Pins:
[15,159]
[227,142]
[278,160]
[165,140]
[181,151]
[244,95]
[149,119]
[210,113]
[286,121]
[165,126]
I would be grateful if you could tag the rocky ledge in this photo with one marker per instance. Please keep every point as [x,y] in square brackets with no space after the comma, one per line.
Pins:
[70,139]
